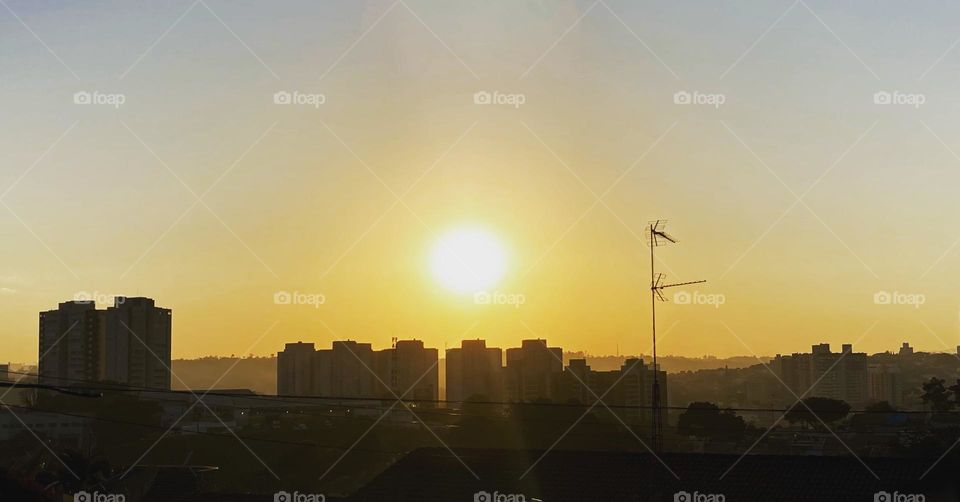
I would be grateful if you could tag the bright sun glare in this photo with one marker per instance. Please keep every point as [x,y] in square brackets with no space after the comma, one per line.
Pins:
[468,260]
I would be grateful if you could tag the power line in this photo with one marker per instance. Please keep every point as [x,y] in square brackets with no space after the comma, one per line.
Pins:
[182,429]
[293,399]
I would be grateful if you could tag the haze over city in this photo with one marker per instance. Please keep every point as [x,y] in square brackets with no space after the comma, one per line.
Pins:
[501,251]
[798,197]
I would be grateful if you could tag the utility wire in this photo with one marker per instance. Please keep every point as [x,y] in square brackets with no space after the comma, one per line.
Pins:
[293,399]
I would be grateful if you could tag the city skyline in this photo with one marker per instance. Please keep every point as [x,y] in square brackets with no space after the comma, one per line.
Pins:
[87,301]
[500,251]
[797,219]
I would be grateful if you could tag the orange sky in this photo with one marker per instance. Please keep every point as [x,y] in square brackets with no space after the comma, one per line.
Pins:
[799,198]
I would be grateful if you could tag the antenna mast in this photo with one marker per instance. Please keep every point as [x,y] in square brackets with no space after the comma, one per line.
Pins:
[658,237]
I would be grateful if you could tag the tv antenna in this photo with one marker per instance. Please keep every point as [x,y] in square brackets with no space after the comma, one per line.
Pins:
[657,237]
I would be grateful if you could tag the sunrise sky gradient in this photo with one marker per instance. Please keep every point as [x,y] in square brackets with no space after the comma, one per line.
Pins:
[304,199]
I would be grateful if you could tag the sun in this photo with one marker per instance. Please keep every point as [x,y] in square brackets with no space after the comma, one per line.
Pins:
[468,260]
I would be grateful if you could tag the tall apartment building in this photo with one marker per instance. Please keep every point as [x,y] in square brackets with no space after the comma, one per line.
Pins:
[138,339]
[128,343]
[637,389]
[533,372]
[828,374]
[351,369]
[72,344]
[885,384]
[295,369]
[344,370]
[475,371]
[410,370]
[628,388]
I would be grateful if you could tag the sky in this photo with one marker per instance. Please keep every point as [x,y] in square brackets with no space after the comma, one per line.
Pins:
[816,209]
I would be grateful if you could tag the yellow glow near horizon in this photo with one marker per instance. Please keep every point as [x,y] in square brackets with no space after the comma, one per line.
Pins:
[468,260]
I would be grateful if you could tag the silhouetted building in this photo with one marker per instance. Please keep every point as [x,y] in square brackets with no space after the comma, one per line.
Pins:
[906,349]
[629,389]
[72,344]
[138,340]
[827,374]
[4,372]
[637,389]
[577,382]
[475,371]
[533,372]
[354,370]
[410,371]
[885,383]
[345,370]
[295,369]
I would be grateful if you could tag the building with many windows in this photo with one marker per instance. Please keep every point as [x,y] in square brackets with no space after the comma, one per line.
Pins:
[409,370]
[629,389]
[295,369]
[885,384]
[354,370]
[138,343]
[72,344]
[533,372]
[822,373]
[475,371]
[128,343]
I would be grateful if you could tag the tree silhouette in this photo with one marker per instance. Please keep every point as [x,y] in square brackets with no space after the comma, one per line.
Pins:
[936,396]
[706,420]
[955,388]
[814,410]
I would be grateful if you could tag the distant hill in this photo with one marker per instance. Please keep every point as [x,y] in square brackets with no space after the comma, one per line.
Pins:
[255,373]
[670,364]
